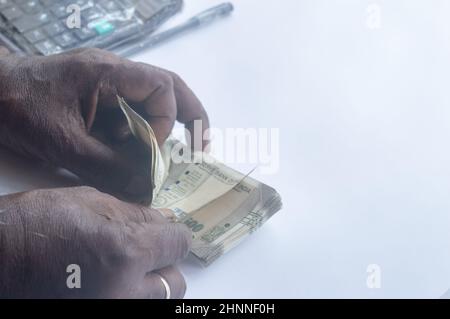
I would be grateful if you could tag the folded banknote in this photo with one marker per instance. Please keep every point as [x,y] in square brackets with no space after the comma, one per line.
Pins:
[220,205]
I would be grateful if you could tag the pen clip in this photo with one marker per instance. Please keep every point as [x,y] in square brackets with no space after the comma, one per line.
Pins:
[212,13]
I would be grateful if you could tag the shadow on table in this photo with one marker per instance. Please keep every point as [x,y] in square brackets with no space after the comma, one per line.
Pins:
[19,174]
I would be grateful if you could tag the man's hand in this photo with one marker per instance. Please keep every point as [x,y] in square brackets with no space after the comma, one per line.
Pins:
[56,108]
[122,249]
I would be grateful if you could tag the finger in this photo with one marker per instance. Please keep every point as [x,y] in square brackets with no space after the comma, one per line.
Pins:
[147,86]
[159,216]
[171,243]
[141,214]
[99,165]
[168,214]
[190,112]
[154,285]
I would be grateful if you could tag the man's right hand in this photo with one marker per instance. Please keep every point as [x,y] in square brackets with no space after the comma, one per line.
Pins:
[122,249]
[50,108]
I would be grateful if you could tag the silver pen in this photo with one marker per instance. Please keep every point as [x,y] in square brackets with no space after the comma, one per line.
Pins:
[201,19]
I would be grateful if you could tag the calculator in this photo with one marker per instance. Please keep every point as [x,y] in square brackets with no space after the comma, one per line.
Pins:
[47,27]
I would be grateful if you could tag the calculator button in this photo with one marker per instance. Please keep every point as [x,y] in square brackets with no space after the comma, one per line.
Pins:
[54,28]
[109,6]
[65,40]
[12,13]
[48,47]
[85,33]
[104,27]
[35,36]
[32,21]
[91,14]
[5,3]
[47,3]
[82,3]
[32,6]
[60,10]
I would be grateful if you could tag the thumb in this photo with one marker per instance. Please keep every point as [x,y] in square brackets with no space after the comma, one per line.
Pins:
[107,169]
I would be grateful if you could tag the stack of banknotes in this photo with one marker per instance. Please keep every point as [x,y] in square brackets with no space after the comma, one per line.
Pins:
[220,205]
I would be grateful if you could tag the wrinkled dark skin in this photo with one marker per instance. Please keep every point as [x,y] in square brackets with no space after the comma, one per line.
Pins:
[118,246]
[62,110]
[52,107]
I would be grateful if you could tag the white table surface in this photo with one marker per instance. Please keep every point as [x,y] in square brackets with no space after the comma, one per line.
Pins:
[364,119]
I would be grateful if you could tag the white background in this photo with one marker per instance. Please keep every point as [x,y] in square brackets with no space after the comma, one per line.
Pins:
[364,149]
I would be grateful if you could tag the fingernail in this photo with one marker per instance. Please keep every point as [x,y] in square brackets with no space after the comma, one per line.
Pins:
[168,214]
